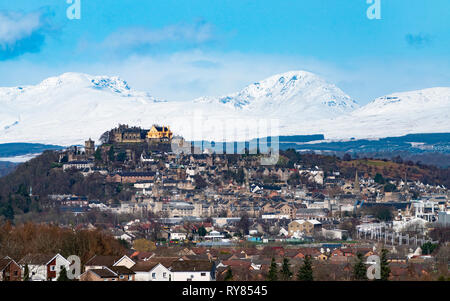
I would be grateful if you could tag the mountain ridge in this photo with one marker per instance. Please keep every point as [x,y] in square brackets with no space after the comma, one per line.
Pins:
[301,90]
[66,109]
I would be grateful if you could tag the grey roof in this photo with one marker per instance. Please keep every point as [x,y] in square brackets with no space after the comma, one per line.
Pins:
[192,266]
[104,273]
[36,259]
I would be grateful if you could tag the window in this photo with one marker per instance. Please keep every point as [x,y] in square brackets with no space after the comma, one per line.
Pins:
[52,268]
[154,275]
[203,274]
[164,275]
[121,277]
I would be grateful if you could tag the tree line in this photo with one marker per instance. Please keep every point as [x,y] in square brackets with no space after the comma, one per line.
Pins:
[31,238]
[306,270]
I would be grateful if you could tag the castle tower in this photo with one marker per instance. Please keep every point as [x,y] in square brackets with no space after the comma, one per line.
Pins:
[89,147]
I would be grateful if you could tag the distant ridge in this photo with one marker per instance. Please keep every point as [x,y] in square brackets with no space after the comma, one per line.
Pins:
[19,149]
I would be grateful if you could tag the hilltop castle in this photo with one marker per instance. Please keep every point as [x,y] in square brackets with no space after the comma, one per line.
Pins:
[159,132]
[125,134]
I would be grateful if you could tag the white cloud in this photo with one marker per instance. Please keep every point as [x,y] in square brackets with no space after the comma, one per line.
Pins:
[21,33]
[16,26]
[139,39]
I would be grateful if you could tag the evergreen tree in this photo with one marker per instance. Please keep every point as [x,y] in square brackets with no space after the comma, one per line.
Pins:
[98,155]
[384,265]
[244,224]
[286,273]
[240,176]
[428,248]
[306,273]
[26,273]
[121,157]
[229,275]
[111,154]
[273,273]
[379,179]
[63,275]
[7,211]
[202,231]
[359,269]
[389,187]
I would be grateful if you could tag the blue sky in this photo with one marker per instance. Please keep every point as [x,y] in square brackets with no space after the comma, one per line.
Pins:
[182,49]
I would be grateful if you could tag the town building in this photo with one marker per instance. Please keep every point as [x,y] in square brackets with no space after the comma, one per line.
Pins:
[44,267]
[10,270]
[159,133]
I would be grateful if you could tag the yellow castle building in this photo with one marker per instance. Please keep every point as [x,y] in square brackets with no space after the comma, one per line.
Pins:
[159,132]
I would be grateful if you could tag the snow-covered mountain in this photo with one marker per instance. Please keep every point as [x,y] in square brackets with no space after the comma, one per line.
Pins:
[64,109]
[70,108]
[296,93]
[421,111]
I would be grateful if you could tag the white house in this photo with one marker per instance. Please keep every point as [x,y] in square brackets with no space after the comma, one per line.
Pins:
[283,232]
[151,271]
[178,236]
[193,270]
[253,232]
[214,235]
[43,267]
[119,234]
[144,185]
[274,216]
[191,171]
[126,236]
[334,233]
[99,262]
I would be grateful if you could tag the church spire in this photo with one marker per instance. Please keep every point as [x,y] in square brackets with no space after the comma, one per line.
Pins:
[356,185]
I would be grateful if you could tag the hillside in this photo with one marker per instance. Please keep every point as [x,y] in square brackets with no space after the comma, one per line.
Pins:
[45,177]
[6,168]
[367,167]
[410,171]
